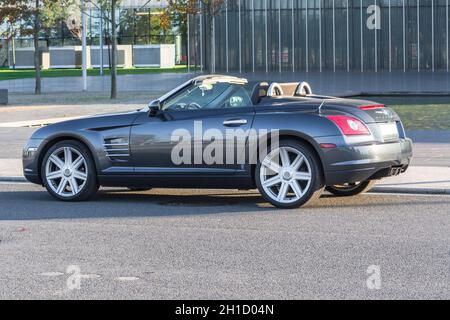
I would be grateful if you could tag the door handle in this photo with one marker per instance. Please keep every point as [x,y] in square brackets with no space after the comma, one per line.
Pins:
[235,122]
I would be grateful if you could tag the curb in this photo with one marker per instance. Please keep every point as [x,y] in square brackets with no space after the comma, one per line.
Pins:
[396,94]
[378,189]
[13,179]
[431,191]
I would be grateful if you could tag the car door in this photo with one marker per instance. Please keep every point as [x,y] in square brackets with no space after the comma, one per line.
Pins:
[155,140]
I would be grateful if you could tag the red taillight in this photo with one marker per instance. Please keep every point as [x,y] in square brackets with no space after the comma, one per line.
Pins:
[328,145]
[350,126]
[376,106]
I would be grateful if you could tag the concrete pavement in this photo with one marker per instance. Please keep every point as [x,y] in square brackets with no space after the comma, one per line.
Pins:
[11,170]
[330,83]
[142,82]
[428,180]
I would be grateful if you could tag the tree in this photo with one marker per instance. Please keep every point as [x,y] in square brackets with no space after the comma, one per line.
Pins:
[46,14]
[108,8]
[40,14]
[210,9]
[114,50]
[15,16]
[37,62]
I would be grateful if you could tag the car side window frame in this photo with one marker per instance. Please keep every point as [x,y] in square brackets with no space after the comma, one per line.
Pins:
[225,96]
[238,89]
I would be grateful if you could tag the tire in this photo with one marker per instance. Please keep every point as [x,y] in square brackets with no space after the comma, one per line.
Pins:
[69,180]
[351,189]
[300,182]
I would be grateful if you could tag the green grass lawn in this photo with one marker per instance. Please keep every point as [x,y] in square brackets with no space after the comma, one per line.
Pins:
[420,113]
[8,74]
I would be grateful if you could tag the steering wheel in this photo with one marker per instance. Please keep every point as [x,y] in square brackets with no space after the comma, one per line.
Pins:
[178,106]
[193,106]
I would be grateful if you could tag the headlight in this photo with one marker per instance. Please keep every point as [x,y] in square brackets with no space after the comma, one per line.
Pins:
[30,152]
[31,148]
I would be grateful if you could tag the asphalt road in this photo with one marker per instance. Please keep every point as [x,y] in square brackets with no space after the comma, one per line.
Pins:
[219,244]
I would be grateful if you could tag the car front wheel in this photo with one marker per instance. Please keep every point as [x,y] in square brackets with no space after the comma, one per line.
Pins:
[290,175]
[68,171]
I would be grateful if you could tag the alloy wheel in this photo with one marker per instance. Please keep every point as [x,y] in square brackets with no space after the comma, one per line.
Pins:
[286,175]
[66,171]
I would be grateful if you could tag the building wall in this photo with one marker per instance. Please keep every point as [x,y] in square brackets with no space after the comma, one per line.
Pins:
[139,23]
[325,35]
[156,55]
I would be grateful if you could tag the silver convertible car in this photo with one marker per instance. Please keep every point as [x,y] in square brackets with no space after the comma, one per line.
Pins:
[225,132]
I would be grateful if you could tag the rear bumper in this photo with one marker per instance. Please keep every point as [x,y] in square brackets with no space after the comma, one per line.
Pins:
[368,162]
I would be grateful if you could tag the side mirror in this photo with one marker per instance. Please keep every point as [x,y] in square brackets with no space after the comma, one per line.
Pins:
[154,107]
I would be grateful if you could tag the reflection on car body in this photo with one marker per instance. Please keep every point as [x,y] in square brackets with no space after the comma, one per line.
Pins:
[343,145]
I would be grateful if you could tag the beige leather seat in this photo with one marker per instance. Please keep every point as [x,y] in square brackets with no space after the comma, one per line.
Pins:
[259,92]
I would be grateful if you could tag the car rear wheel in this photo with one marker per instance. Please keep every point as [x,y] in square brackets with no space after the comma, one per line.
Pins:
[351,189]
[289,176]
[68,171]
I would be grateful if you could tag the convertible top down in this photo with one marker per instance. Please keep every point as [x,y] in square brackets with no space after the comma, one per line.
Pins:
[183,139]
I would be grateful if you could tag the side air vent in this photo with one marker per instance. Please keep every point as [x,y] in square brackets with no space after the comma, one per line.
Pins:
[117,149]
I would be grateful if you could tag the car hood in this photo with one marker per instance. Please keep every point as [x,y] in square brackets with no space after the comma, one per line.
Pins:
[95,123]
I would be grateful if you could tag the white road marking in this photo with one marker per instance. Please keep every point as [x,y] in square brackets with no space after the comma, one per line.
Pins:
[34,123]
[404,194]
[52,274]
[124,279]
[90,276]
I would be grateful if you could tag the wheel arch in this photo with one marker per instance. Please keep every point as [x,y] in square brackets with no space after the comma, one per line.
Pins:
[58,138]
[299,137]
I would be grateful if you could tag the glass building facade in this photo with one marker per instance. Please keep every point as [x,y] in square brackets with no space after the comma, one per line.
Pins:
[139,22]
[324,35]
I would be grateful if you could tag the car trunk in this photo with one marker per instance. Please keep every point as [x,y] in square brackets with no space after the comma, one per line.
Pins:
[375,115]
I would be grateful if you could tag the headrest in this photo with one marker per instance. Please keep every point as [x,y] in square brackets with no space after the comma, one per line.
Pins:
[259,92]
[275,90]
[303,89]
